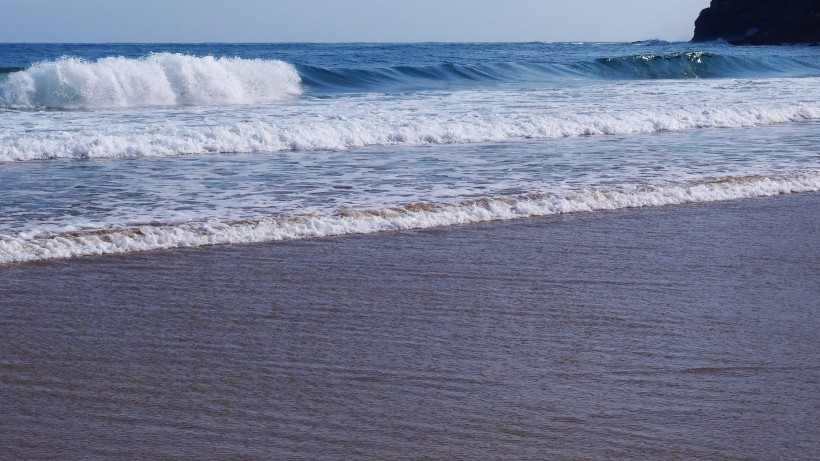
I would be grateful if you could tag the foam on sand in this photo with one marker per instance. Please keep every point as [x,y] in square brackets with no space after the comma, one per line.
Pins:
[25,247]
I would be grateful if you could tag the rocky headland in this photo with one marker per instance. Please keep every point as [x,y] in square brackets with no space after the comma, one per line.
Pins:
[759,22]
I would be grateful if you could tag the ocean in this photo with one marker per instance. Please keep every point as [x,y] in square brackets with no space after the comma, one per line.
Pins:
[119,148]
[405,251]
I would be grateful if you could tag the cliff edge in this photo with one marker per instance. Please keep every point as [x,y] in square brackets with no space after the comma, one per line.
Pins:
[759,22]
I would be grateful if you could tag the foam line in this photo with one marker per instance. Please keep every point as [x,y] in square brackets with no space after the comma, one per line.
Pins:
[414,216]
[367,130]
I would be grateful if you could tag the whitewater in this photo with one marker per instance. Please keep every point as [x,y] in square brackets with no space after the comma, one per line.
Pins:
[117,148]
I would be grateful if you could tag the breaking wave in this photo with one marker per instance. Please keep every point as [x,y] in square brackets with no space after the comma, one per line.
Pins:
[413,216]
[697,65]
[163,79]
[169,79]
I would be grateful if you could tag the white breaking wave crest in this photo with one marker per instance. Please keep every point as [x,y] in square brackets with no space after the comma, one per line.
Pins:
[162,79]
[275,134]
[415,216]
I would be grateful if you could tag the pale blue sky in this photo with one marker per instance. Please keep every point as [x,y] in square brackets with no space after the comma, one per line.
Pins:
[345,20]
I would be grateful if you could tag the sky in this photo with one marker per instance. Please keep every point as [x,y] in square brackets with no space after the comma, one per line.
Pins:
[150,21]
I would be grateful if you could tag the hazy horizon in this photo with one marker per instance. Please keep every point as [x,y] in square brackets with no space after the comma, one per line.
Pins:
[329,21]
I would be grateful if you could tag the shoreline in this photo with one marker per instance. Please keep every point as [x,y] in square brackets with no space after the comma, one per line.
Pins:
[528,220]
[413,216]
[685,331]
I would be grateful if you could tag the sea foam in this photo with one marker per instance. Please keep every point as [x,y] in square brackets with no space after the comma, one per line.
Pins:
[26,247]
[312,131]
[162,79]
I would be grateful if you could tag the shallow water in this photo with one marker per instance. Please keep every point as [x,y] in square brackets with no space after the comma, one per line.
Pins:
[685,332]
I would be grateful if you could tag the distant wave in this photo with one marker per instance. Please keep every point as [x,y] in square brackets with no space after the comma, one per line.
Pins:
[162,79]
[696,65]
[637,67]
[343,133]
[411,216]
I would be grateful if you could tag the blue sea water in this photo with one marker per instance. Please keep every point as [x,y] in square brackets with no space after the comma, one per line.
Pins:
[125,147]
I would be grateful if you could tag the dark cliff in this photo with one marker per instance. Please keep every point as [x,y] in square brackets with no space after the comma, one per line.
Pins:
[760,22]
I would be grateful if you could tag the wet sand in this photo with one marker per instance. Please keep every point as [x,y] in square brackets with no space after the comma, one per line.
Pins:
[684,332]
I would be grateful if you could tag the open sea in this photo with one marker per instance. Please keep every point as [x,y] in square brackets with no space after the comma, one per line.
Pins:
[606,309]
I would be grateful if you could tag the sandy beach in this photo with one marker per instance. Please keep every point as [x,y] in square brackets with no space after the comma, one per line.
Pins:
[685,332]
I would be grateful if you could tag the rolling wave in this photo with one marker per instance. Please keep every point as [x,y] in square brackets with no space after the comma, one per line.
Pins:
[169,79]
[695,65]
[425,77]
[52,245]
[163,79]
[649,66]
